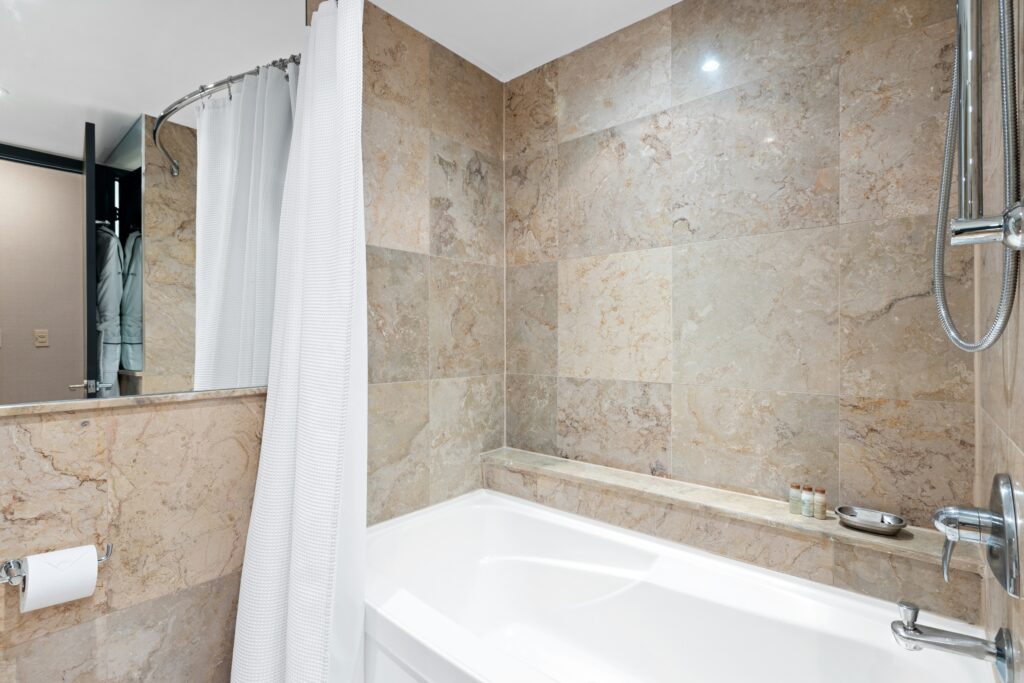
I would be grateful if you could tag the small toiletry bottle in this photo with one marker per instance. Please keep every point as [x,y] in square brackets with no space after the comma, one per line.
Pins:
[795,503]
[819,503]
[807,502]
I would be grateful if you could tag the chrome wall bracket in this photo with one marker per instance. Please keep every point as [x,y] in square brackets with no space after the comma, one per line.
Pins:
[995,528]
[1006,229]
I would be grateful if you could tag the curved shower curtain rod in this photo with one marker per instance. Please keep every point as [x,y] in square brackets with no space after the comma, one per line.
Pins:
[204,91]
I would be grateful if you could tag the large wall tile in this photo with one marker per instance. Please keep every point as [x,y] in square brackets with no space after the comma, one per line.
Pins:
[887,167]
[531,413]
[466,319]
[399,449]
[754,441]
[759,312]
[531,167]
[627,425]
[615,189]
[396,62]
[531,208]
[396,292]
[395,162]
[893,578]
[467,417]
[863,22]
[891,344]
[531,114]
[750,39]
[465,102]
[758,158]
[465,203]
[906,457]
[181,487]
[614,316]
[532,319]
[619,78]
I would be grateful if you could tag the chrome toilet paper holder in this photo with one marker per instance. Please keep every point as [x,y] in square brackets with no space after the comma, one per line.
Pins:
[14,571]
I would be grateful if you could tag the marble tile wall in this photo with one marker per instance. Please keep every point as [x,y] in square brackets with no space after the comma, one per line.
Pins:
[432,148]
[1000,395]
[724,277]
[170,484]
[169,261]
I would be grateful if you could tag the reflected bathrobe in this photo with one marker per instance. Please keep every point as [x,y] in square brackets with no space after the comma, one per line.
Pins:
[131,304]
[109,286]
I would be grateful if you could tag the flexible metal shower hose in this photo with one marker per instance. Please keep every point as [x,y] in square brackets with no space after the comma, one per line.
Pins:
[1008,88]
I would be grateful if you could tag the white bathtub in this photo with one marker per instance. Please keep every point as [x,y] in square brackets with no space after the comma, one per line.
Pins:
[491,588]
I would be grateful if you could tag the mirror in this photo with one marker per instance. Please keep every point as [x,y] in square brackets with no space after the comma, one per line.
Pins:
[112,283]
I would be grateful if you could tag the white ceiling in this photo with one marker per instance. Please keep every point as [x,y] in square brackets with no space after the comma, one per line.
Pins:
[507,38]
[65,62]
[106,61]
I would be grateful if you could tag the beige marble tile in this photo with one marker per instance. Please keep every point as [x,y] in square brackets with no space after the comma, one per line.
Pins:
[531,114]
[169,261]
[999,369]
[777,550]
[519,484]
[396,62]
[759,312]
[750,39]
[467,418]
[465,203]
[893,578]
[906,457]
[465,102]
[615,189]
[626,425]
[396,292]
[181,487]
[184,636]
[466,319]
[758,158]
[756,442]
[863,22]
[892,345]
[531,319]
[614,316]
[53,495]
[531,417]
[398,459]
[72,654]
[531,167]
[396,157]
[531,208]
[619,78]
[893,101]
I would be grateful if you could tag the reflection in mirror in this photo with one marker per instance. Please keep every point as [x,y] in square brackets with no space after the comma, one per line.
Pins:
[130,265]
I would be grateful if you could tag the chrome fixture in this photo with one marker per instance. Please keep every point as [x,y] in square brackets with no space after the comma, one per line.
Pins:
[970,227]
[995,528]
[912,637]
[14,572]
[205,91]
[90,385]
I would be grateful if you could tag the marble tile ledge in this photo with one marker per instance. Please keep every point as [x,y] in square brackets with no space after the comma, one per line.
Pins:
[913,543]
[95,404]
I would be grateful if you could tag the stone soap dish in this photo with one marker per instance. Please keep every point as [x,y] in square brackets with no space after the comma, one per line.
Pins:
[872,521]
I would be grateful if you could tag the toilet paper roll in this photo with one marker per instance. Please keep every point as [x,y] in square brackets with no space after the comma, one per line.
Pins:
[60,576]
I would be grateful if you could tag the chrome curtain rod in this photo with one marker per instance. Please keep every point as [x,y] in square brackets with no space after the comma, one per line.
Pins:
[204,91]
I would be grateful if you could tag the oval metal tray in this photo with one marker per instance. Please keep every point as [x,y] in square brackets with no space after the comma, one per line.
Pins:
[872,521]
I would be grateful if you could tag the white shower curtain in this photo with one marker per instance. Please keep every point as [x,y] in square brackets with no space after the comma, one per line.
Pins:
[300,613]
[243,143]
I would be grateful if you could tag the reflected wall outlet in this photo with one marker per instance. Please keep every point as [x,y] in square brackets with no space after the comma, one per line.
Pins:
[42,337]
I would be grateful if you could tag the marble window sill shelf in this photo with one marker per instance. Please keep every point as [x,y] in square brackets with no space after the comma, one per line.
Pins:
[914,543]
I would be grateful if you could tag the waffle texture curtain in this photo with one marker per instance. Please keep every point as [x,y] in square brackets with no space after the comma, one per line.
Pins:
[243,144]
[300,613]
